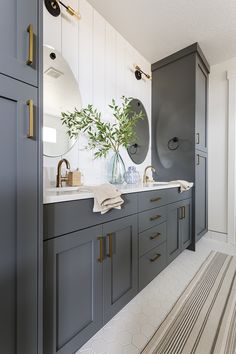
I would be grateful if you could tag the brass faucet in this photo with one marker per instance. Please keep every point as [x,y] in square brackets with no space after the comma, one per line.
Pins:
[146,179]
[61,179]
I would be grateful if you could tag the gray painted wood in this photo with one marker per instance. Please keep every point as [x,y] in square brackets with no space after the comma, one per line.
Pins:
[15,16]
[173,231]
[148,219]
[62,218]
[19,178]
[152,199]
[151,264]
[73,290]
[201,194]
[185,224]
[152,238]
[120,279]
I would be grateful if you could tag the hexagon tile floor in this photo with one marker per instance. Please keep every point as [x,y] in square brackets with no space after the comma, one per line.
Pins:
[131,328]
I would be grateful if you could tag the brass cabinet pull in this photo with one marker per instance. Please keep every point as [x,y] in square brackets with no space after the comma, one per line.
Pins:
[110,246]
[100,239]
[152,218]
[31,45]
[183,212]
[153,259]
[198,138]
[198,159]
[30,134]
[155,236]
[155,199]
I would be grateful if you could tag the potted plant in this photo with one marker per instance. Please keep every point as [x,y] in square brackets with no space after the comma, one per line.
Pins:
[105,136]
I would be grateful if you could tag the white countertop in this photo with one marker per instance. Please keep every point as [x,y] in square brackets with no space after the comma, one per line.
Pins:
[56,195]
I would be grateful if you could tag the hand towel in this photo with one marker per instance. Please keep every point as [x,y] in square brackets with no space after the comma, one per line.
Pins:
[184,185]
[106,197]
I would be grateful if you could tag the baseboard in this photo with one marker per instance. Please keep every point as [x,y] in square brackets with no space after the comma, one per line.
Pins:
[217,236]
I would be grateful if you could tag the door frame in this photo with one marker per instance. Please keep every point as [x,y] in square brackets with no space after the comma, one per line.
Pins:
[231,218]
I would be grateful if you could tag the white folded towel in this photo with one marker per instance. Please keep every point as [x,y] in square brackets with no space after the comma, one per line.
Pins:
[184,185]
[106,197]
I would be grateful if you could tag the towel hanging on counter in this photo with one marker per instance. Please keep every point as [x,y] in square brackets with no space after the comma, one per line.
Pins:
[106,197]
[184,185]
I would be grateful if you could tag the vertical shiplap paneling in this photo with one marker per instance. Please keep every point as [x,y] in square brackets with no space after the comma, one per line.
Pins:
[103,62]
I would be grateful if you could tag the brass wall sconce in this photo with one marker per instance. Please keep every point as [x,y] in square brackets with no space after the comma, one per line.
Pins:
[139,72]
[53,7]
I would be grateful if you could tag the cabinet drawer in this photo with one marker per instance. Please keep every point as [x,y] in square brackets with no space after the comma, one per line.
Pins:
[152,199]
[63,218]
[152,238]
[150,218]
[174,195]
[151,264]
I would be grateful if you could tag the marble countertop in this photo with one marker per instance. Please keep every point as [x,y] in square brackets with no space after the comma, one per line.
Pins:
[64,194]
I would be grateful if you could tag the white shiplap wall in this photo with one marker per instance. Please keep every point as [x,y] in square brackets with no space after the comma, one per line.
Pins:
[102,61]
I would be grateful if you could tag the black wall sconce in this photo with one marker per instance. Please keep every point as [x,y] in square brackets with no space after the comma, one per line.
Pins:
[53,7]
[139,72]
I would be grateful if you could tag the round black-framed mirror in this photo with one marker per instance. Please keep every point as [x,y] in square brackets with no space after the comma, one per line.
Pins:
[139,149]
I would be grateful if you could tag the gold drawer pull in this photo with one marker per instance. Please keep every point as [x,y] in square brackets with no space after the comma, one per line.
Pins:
[31,45]
[153,259]
[30,134]
[155,236]
[100,239]
[152,218]
[155,199]
[110,246]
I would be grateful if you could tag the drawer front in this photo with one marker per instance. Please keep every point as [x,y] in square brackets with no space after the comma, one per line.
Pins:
[174,195]
[150,218]
[151,264]
[63,218]
[152,199]
[152,238]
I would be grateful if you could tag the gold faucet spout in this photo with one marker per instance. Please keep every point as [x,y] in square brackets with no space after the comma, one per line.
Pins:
[145,177]
[61,179]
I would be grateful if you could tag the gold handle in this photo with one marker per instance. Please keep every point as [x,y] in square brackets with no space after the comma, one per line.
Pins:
[110,246]
[184,212]
[181,213]
[153,259]
[155,236]
[155,199]
[30,134]
[31,45]
[100,239]
[198,159]
[152,218]
[198,138]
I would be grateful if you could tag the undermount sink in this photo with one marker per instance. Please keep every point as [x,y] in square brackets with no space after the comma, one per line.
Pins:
[67,189]
[151,184]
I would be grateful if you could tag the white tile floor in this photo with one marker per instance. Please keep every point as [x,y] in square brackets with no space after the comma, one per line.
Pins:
[132,327]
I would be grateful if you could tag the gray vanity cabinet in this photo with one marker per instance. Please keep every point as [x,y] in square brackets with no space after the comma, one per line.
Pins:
[73,308]
[201,106]
[19,195]
[179,228]
[19,38]
[201,194]
[120,277]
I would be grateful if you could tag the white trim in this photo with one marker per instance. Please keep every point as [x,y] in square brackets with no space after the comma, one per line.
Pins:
[216,236]
[231,224]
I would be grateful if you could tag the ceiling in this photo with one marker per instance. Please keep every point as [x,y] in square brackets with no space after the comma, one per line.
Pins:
[157,28]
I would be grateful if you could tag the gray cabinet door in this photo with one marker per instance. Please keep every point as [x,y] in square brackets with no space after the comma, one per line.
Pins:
[201,106]
[201,223]
[173,231]
[72,290]
[185,223]
[19,195]
[15,18]
[120,265]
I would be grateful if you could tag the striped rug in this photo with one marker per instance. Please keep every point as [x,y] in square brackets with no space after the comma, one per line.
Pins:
[203,320]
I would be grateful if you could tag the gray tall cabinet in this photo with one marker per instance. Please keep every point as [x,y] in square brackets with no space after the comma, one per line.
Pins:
[20,180]
[179,125]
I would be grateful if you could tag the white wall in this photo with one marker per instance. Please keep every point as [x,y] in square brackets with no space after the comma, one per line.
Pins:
[102,61]
[218,147]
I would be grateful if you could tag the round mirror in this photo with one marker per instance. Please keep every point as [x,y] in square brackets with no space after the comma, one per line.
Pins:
[60,94]
[139,149]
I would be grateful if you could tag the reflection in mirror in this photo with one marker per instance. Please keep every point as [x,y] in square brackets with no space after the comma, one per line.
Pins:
[139,149]
[60,94]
